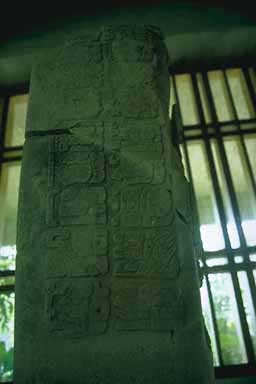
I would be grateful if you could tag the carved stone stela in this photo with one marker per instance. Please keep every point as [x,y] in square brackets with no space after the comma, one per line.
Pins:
[105,237]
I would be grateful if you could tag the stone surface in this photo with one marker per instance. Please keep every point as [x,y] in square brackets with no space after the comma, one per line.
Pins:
[107,287]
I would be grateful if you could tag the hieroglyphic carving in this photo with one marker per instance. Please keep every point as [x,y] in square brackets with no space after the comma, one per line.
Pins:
[136,166]
[132,103]
[77,204]
[66,257]
[79,79]
[77,307]
[80,102]
[145,305]
[141,206]
[147,253]
[82,133]
[83,49]
[79,75]
[78,164]
[137,152]
[76,196]
[130,44]
[74,167]
[129,133]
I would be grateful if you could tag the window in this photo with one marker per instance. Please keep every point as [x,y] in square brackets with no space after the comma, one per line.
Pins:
[219,154]
[12,128]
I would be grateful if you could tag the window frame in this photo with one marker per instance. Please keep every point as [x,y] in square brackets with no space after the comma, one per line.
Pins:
[238,370]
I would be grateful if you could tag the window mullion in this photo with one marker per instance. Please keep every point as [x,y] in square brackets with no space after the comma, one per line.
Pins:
[221,209]
[241,310]
[241,136]
[214,319]
[3,120]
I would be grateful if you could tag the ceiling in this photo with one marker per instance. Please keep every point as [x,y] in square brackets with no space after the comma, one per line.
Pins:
[196,32]
[19,19]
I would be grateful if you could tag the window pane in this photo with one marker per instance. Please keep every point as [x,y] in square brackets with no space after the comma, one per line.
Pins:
[210,227]
[6,336]
[16,120]
[220,96]
[239,259]
[250,143]
[253,78]
[253,257]
[9,280]
[203,97]
[211,262]
[187,102]
[172,97]
[12,154]
[231,339]
[240,93]
[229,128]
[184,160]
[248,305]
[231,225]
[208,320]
[243,188]
[192,132]
[247,126]
[9,184]
[1,108]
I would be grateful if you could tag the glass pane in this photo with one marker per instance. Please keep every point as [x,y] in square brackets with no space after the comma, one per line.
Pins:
[231,225]
[1,107]
[184,160]
[216,261]
[187,101]
[16,120]
[12,154]
[231,339]
[240,93]
[172,97]
[253,78]
[204,100]
[9,280]
[211,130]
[253,257]
[246,125]
[6,336]
[192,132]
[9,184]
[210,227]
[208,320]
[220,96]
[248,305]
[250,143]
[239,259]
[254,274]
[228,128]
[243,188]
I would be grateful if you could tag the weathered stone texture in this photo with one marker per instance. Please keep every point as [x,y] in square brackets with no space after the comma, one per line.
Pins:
[107,282]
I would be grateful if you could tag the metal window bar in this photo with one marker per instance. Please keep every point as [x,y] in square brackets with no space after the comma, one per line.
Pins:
[231,190]
[215,327]
[232,268]
[3,124]
[241,136]
[250,86]
[224,134]
[220,205]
